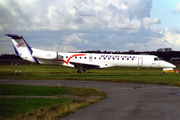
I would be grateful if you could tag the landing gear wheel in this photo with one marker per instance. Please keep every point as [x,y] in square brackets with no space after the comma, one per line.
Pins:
[81,71]
[78,71]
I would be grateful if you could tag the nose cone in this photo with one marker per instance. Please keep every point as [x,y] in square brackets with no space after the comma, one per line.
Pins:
[173,66]
[167,65]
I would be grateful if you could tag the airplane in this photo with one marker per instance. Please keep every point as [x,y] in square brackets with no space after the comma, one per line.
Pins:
[84,61]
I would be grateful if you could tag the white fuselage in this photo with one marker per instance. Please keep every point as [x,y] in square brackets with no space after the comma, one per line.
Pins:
[106,60]
[84,61]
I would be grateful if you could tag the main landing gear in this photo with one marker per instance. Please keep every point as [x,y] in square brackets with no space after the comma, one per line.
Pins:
[81,71]
[81,68]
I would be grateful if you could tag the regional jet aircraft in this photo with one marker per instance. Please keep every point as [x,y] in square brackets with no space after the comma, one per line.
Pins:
[84,61]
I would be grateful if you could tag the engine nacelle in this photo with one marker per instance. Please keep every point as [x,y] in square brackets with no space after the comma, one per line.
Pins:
[45,54]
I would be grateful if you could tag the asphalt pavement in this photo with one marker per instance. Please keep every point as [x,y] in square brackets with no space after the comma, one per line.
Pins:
[125,101]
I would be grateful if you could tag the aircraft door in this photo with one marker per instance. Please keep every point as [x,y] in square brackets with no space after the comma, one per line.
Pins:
[140,61]
[90,58]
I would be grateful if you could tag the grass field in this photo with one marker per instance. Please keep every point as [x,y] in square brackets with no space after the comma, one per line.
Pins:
[11,107]
[40,108]
[116,74]
[51,110]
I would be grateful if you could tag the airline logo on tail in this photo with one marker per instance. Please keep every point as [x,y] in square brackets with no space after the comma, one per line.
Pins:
[19,45]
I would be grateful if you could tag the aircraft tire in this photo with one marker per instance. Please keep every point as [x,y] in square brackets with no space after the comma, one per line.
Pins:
[78,71]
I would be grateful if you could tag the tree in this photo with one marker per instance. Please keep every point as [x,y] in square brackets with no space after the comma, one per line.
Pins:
[164,50]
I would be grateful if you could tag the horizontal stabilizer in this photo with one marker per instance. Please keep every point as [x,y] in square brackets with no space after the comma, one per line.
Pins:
[14,35]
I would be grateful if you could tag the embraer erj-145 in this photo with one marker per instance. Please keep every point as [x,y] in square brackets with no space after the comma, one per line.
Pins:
[84,61]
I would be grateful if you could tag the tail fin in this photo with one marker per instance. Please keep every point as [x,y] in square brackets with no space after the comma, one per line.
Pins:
[21,48]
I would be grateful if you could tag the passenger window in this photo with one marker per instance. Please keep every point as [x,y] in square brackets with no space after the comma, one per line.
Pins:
[75,57]
[122,58]
[94,57]
[117,58]
[84,57]
[66,56]
[127,58]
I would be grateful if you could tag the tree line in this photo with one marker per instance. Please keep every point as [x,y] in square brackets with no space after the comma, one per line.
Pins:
[163,53]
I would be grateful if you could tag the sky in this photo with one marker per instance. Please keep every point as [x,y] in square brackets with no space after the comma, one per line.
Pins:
[79,25]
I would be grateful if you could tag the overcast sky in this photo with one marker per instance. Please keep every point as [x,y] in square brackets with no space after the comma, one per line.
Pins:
[75,25]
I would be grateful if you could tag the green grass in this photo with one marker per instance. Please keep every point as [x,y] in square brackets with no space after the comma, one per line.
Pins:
[11,107]
[43,107]
[30,90]
[116,74]
[7,89]
[47,72]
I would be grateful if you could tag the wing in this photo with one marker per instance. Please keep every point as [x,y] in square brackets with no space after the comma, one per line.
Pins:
[85,65]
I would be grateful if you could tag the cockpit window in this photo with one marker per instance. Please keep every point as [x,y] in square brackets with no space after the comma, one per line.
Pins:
[156,59]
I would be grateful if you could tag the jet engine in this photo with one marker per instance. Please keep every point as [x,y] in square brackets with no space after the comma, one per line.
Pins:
[45,54]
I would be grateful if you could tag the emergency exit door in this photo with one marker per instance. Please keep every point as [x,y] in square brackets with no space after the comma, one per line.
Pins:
[90,58]
[140,61]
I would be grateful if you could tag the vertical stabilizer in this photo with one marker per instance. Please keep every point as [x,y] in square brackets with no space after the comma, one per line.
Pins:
[21,48]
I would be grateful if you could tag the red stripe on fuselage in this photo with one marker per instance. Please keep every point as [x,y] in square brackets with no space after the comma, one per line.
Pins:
[69,58]
[75,56]
[61,61]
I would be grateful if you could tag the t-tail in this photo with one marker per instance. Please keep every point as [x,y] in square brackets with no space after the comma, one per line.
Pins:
[21,47]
